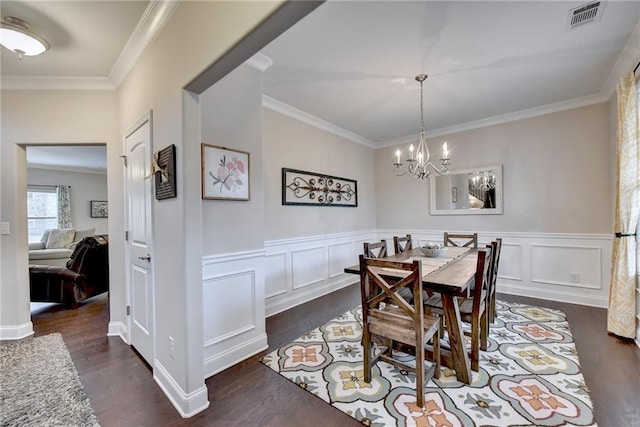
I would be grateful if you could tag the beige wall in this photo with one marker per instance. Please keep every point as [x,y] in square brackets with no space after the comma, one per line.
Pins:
[50,117]
[232,117]
[85,186]
[197,34]
[557,171]
[296,145]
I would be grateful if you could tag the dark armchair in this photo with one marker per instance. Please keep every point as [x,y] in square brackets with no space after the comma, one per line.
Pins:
[86,274]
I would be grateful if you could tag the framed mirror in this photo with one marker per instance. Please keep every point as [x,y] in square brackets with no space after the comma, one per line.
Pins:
[474,191]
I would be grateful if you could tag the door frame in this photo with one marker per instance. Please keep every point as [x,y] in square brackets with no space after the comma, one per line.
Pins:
[146,117]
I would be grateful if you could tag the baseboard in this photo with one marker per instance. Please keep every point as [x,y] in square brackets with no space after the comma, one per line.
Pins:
[312,293]
[565,297]
[187,404]
[16,332]
[118,329]
[234,355]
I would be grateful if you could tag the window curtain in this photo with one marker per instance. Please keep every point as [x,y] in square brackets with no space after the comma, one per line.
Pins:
[621,319]
[64,206]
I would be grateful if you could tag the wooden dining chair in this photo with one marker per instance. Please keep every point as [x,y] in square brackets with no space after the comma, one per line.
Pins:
[375,250]
[496,247]
[396,320]
[402,244]
[473,310]
[463,240]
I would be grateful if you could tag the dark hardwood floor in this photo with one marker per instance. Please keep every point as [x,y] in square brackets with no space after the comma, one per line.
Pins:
[123,393]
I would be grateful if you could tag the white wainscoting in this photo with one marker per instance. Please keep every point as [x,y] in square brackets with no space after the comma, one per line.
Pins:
[301,269]
[571,268]
[233,300]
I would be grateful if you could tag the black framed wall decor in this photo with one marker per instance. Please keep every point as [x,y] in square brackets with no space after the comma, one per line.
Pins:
[315,189]
[165,173]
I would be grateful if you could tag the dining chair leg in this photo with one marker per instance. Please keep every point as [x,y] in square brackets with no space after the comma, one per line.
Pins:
[419,370]
[436,352]
[484,331]
[366,345]
[475,347]
[492,308]
[456,339]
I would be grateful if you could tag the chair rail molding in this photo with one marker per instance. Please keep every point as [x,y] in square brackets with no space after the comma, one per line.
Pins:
[304,268]
[568,267]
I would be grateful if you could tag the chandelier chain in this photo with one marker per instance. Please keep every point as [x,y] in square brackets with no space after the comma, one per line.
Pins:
[421,107]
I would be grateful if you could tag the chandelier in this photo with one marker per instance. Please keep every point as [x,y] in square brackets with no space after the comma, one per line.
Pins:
[418,163]
[484,181]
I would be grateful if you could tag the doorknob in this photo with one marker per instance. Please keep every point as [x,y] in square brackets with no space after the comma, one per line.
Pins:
[145,258]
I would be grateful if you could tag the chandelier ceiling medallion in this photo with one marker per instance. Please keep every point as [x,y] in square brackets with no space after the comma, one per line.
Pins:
[15,35]
[418,163]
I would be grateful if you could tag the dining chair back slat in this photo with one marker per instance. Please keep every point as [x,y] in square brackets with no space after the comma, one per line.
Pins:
[375,250]
[402,244]
[463,240]
[496,247]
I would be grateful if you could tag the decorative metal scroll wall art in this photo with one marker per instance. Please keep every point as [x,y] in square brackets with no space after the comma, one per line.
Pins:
[309,188]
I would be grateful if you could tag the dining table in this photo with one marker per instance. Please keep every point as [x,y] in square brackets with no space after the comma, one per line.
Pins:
[452,275]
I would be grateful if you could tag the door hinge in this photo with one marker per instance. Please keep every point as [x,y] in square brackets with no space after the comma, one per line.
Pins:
[128,310]
[126,236]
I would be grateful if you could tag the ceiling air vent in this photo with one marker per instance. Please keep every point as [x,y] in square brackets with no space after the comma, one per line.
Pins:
[586,13]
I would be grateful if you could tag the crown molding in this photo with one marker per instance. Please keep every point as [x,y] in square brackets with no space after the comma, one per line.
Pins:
[312,120]
[505,118]
[260,62]
[626,62]
[56,83]
[77,169]
[153,20]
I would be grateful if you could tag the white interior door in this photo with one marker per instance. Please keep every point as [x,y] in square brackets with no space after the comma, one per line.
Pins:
[139,238]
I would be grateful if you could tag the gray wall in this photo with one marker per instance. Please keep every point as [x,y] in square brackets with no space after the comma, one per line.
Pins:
[232,117]
[84,188]
[557,172]
[296,145]
[51,117]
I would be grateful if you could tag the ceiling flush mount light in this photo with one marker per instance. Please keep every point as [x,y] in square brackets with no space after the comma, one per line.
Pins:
[16,36]
[418,163]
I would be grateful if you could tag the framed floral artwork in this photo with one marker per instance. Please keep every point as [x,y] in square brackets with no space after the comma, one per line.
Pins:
[225,173]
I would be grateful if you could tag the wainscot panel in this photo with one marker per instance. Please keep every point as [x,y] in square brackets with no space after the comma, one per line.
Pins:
[571,268]
[313,267]
[234,309]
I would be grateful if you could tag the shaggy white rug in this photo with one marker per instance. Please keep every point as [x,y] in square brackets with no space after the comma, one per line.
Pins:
[39,385]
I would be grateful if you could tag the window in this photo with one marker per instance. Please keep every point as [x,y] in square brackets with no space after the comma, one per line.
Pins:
[42,210]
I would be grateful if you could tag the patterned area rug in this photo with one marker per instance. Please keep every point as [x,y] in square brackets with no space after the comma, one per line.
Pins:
[39,385]
[529,375]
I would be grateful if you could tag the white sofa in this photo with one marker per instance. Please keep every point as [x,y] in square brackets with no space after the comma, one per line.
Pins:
[47,252]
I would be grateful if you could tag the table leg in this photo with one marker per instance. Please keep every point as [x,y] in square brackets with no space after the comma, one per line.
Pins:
[456,338]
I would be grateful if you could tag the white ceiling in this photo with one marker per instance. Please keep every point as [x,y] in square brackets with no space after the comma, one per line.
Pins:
[86,158]
[353,63]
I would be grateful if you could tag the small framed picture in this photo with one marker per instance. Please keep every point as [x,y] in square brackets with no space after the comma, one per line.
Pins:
[225,173]
[99,209]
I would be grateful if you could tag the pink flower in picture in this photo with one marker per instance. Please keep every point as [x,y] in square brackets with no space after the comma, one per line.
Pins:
[230,174]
